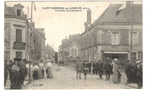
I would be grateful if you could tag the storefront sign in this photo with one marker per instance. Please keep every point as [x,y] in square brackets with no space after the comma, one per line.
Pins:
[19,45]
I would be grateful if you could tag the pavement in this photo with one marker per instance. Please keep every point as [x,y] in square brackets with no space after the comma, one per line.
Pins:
[65,78]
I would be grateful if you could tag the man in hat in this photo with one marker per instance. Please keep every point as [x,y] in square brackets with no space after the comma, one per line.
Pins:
[6,71]
[78,68]
[41,66]
[100,69]
[85,69]
[15,74]
[23,71]
[107,68]
[139,74]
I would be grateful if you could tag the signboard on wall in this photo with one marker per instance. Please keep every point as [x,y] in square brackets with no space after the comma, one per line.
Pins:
[19,45]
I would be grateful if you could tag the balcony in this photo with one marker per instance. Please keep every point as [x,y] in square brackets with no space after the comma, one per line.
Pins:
[19,45]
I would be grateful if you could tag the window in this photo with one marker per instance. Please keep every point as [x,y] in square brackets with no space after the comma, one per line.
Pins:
[18,12]
[99,36]
[115,38]
[134,38]
[19,55]
[134,55]
[77,53]
[18,35]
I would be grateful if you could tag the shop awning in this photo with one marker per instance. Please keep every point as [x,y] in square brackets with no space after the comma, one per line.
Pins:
[116,52]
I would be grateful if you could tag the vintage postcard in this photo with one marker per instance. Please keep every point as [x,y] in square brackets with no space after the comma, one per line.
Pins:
[94,44]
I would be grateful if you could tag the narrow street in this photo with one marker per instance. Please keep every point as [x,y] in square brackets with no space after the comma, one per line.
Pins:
[64,78]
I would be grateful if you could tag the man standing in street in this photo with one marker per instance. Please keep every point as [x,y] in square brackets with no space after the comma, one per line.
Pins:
[139,74]
[100,69]
[85,69]
[107,68]
[15,74]
[23,71]
[41,65]
[78,69]
[6,71]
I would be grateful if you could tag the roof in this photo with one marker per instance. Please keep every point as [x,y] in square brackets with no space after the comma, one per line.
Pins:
[111,14]
[11,13]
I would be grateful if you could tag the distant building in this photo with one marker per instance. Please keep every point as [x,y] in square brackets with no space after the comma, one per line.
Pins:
[74,47]
[69,50]
[64,51]
[116,33]
[15,32]
[39,44]
[49,53]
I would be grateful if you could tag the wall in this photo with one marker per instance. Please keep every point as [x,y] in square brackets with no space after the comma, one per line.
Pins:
[13,28]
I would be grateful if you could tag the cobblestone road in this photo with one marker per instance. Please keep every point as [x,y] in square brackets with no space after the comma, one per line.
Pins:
[64,78]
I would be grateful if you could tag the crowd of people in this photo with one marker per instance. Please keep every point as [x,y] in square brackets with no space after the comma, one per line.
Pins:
[21,70]
[118,71]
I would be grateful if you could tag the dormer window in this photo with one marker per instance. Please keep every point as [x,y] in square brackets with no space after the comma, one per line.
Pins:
[18,12]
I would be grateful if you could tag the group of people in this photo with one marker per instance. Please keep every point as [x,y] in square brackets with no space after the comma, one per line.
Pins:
[118,71]
[16,71]
[40,70]
[20,70]
[97,68]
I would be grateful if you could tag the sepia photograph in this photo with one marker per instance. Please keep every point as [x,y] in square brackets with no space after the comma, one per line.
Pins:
[73,45]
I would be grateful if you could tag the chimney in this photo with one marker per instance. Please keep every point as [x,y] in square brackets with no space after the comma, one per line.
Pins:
[89,16]
[129,12]
[129,3]
[88,22]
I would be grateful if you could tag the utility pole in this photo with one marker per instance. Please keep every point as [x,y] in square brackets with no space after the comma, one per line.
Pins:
[130,19]
[30,58]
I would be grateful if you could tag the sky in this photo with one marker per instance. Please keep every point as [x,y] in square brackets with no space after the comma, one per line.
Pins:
[59,25]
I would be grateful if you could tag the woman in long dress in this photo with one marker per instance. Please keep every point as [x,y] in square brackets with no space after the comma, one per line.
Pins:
[115,77]
[35,72]
[49,70]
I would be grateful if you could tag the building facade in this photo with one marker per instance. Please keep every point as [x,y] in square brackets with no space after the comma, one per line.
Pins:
[15,32]
[22,39]
[117,33]
[69,50]
[49,53]
[39,44]
[74,47]
[30,41]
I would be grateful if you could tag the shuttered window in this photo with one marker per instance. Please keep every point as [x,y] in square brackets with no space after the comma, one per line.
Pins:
[18,35]
[18,12]
[135,38]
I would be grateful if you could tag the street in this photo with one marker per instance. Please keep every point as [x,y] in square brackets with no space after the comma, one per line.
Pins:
[64,78]
[104,38]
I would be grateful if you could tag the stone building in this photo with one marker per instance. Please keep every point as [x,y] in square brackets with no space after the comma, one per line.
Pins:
[15,32]
[117,33]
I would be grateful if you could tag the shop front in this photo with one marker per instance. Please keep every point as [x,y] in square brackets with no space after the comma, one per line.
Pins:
[122,56]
